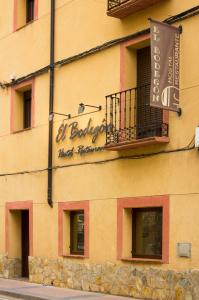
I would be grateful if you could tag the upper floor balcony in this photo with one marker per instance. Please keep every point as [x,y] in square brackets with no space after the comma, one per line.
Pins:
[132,122]
[123,8]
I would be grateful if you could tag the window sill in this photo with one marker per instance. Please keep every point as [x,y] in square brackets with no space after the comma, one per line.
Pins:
[75,256]
[22,130]
[149,260]
[124,145]
[25,25]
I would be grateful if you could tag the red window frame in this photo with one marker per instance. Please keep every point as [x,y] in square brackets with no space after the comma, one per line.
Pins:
[67,207]
[143,202]
[31,85]
[15,14]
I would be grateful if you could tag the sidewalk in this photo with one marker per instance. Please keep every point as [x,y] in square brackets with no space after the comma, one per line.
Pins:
[32,291]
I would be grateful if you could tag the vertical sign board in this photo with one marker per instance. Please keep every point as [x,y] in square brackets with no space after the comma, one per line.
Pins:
[165,53]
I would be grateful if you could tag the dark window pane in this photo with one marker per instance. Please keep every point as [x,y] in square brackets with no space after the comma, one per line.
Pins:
[77,232]
[27,108]
[147,232]
[29,10]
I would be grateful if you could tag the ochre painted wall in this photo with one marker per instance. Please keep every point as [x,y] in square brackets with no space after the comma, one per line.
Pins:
[79,27]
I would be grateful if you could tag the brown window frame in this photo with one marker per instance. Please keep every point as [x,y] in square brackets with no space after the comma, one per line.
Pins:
[134,225]
[73,213]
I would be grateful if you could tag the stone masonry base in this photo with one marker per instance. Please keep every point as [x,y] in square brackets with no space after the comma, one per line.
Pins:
[124,280]
[10,267]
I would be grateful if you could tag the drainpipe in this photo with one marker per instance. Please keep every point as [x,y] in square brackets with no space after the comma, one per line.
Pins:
[51,101]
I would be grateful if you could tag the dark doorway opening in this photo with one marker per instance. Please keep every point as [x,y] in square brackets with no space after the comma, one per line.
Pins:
[25,246]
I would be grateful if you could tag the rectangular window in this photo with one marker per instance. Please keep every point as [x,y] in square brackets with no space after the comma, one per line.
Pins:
[22,106]
[29,10]
[147,232]
[143,229]
[77,232]
[25,11]
[27,96]
[73,218]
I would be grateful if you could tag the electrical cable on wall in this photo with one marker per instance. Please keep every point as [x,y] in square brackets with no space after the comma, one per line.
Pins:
[189,147]
[171,20]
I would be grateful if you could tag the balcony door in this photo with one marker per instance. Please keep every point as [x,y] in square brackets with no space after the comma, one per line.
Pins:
[149,119]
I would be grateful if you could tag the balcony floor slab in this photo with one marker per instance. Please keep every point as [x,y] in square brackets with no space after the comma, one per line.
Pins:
[127,145]
[128,7]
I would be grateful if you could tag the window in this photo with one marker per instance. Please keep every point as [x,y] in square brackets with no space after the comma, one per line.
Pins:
[143,228]
[27,97]
[25,11]
[29,10]
[77,232]
[74,229]
[22,107]
[147,232]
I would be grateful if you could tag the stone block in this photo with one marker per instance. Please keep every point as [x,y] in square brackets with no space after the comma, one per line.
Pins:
[94,288]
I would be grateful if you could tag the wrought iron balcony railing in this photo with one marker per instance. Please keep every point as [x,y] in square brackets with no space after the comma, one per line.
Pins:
[123,8]
[115,3]
[130,117]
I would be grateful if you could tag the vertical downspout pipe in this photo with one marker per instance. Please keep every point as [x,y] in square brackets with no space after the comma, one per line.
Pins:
[51,101]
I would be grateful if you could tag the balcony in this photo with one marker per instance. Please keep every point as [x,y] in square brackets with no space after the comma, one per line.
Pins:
[131,122]
[123,8]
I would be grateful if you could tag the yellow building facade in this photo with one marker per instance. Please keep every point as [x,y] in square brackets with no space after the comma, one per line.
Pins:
[89,200]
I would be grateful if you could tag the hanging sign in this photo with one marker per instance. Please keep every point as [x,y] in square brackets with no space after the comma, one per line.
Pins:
[165,54]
